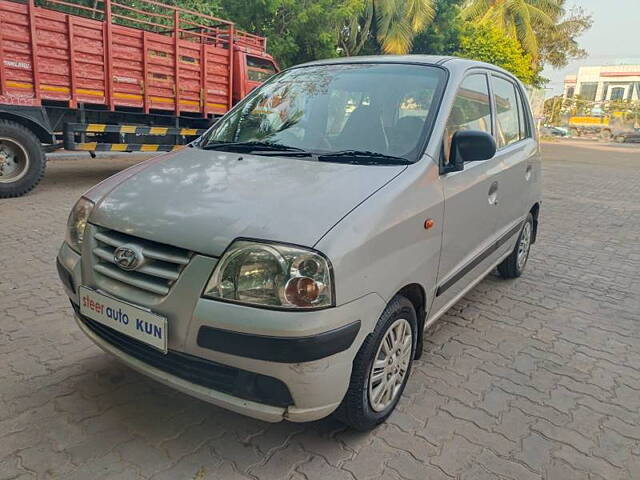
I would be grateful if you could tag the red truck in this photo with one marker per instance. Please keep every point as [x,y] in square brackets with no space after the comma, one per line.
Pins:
[130,76]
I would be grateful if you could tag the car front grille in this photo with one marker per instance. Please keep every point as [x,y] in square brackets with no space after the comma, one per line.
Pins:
[222,378]
[162,267]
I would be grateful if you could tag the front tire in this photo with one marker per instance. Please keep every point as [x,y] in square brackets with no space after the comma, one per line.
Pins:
[381,367]
[514,264]
[22,160]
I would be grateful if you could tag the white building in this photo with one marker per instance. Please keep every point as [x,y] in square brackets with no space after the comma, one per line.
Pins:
[597,84]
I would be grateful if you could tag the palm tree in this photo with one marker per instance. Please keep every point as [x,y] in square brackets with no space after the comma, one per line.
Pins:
[517,18]
[393,23]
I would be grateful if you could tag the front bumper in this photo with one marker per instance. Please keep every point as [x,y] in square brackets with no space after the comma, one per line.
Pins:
[310,353]
[253,409]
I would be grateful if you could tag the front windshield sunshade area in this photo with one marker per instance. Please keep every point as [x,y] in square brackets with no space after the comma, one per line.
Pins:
[323,109]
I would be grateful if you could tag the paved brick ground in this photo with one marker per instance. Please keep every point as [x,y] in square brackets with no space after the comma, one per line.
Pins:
[534,378]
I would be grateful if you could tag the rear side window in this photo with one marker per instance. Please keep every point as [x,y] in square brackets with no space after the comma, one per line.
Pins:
[471,109]
[259,69]
[507,112]
[522,113]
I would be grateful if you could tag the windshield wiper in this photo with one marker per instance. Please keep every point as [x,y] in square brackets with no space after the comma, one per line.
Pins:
[356,157]
[248,147]
[362,157]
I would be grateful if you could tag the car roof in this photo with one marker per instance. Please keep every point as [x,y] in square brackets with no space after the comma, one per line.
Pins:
[457,64]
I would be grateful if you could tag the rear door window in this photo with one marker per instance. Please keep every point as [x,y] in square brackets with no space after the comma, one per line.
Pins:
[522,113]
[507,117]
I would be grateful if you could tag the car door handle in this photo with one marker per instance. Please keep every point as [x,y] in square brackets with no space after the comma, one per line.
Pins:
[493,194]
[528,172]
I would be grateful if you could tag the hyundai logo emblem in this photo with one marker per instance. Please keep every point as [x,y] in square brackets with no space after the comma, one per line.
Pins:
[128,257]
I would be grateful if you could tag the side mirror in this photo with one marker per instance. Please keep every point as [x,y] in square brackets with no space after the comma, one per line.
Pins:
[470,146]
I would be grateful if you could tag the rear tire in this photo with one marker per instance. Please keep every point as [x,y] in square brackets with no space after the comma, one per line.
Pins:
[22,160]
[514,264]
[366,405]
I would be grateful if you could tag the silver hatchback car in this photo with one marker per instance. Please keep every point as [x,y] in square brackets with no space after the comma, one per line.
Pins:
[287,264]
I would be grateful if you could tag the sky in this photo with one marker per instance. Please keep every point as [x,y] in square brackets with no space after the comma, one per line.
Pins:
[613,39]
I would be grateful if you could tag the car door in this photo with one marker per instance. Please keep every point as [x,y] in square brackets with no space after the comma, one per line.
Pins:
[516,155]
[469,230]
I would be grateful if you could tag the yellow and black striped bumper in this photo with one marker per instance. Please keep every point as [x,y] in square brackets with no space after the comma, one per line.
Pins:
[124,147]
[71,129]
[138,130]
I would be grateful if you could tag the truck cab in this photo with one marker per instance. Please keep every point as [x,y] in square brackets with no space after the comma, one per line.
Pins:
[252,68]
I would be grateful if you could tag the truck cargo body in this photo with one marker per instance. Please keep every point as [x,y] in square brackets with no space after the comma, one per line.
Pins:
[143,63]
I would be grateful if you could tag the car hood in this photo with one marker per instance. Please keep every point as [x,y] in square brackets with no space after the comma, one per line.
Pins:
[202,200]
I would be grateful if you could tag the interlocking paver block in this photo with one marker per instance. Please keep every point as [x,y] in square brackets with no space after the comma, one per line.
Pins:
[536,378]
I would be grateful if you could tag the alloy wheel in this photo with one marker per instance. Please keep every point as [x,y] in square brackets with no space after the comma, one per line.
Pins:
[524,245]
[390,365]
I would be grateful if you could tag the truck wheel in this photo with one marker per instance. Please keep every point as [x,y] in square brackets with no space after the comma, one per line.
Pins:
[513,265]
[22,160]
[381,367]
[606,135]
[620,139]
[574,132]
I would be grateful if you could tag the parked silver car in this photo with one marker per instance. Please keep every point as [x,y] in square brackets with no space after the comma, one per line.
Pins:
[627,136]
[288,263]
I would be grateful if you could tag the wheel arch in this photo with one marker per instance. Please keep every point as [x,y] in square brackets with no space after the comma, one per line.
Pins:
[416,294]
[38,128]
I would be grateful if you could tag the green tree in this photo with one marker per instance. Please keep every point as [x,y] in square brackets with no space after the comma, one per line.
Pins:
[442,36]
[552,109]
[516,18]
[558,43]
[297,30]
[489,44]
[392,23]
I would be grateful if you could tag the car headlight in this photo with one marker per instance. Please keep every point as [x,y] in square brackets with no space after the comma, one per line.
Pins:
[272,275]
[78,222]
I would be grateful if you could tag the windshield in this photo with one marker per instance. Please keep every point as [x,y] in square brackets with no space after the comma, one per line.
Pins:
[374,109]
